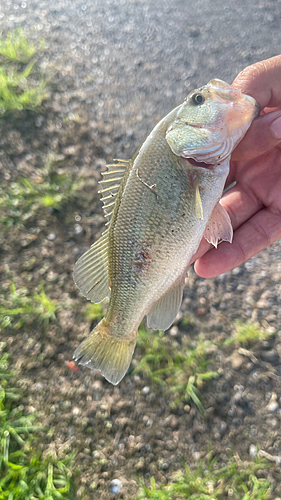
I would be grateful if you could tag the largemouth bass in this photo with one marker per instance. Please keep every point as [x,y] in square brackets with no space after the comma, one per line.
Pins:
[159,206]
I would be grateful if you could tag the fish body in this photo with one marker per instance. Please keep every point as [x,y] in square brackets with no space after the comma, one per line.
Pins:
[160,205]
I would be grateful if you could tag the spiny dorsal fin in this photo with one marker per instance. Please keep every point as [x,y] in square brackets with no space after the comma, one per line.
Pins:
[111,183]
[164,311]
[91,271]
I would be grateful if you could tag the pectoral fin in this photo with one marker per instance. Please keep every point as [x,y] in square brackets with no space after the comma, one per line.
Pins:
[219,226]
[197,203]
[164,311]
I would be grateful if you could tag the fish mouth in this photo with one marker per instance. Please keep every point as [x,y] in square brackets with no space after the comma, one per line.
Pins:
[201,164]
[250,100]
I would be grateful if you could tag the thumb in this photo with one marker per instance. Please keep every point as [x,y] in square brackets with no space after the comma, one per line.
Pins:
[263,135]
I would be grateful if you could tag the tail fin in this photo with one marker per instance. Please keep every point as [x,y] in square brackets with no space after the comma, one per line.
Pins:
[102,351]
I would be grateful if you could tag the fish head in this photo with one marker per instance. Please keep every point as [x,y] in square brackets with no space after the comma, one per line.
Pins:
[210,122]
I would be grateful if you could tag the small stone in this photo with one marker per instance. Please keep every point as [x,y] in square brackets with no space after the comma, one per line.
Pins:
[145,391]
[97,385]
[174,423]
[222,428]
[194,32]
[236,360]
[140,464]
[174,331]
[237,397]
[51,236]
[270,356]
[253,450]
[273,422]
[162,464]
[116,486]
[39,121]
[219,430]
[272,406]
[38,386]
[237,271]
[147,421]
[76,411]
[78,229]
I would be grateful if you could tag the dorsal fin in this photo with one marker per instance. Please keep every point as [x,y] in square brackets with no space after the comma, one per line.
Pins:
[90,272]
[111,183]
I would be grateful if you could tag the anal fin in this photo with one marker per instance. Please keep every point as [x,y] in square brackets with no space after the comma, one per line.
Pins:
[219,226]
[165,310]
[91,271]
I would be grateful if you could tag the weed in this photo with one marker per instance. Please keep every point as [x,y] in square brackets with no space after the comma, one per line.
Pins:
[19,89]
[94,312]
[24,474]
[187,322]
[52,188]
[236,480]
[180,371]
[17,48]
[20,308]
[245,334]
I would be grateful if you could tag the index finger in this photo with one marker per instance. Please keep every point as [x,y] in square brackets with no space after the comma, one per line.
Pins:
[262,81]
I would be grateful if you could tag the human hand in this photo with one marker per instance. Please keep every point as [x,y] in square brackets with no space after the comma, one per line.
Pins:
[254,204]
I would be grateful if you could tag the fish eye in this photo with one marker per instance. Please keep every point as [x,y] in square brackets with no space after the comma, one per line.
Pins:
[198,98]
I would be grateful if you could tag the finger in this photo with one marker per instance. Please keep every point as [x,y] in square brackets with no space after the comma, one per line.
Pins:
[269,110]
[253,236]
[263,135]
[262,81]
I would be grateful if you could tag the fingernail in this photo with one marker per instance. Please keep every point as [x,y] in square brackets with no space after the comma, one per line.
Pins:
[276,127]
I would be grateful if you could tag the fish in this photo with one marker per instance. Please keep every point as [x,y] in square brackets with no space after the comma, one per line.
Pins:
[159,206]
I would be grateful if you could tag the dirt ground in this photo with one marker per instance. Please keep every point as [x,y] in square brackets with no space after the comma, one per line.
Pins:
[130,431]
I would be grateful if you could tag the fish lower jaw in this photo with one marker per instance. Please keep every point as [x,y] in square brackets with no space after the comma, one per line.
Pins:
[201,164]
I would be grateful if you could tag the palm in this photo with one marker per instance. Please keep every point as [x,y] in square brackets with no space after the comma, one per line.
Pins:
[254,206]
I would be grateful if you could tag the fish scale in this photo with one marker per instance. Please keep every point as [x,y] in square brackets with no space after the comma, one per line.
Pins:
[159,206]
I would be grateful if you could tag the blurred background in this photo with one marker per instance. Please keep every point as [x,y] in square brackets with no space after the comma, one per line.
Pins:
[81,83]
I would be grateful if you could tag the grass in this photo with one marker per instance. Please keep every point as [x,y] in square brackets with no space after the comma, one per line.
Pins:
[17,48]
[52,188]
[181,371]
[24,473]
[237,480]
[20,308]
[246,334]
[20,85]
[94,312]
